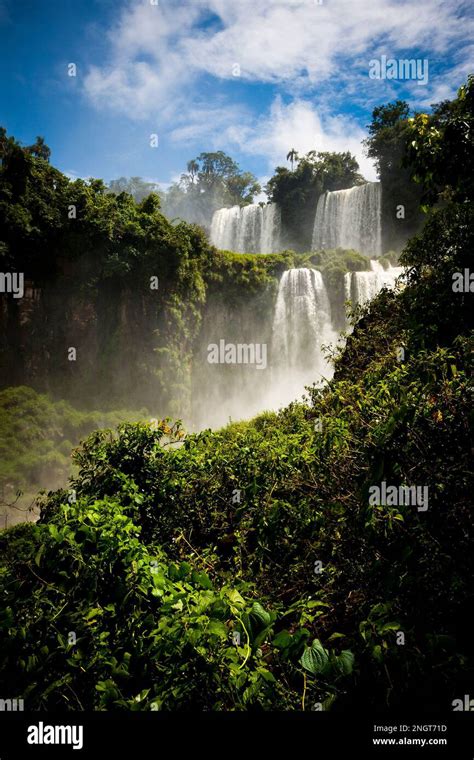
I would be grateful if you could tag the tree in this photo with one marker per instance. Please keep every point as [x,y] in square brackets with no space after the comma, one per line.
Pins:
[387,130]
[39,149]
[297,191]
[216,166]
[7,144]
[134,186]
[386,146]
[213,180]
[440,148]
[193,168]
[292,156]
[107,239]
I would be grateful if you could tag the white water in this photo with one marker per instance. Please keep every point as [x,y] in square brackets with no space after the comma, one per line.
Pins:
[303,322]
[350,219]
[301,326]
[361,287]
[251,229]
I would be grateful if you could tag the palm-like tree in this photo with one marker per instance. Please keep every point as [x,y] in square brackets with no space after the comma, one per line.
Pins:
[193,168]
[292,156]
[40,149]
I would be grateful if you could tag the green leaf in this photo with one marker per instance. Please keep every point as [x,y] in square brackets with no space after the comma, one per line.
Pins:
[39,554]
[315,658]
[202,579]
[258,612]
[392,626]
[377,653]
[217,628]
[282,640]
[266,675]
[235,598]
[93,613]
[143,695]
[345,662]
[335,636]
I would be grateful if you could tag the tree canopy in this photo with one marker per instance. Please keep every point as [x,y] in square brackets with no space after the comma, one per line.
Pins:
[389,134]
[212,181]
[137,187]
[440,148]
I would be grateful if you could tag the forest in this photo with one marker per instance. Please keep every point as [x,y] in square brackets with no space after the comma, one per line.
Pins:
[247,566]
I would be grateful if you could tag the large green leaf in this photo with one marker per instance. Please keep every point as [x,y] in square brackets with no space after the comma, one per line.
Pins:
[315,658]
[259,613]
[345,662]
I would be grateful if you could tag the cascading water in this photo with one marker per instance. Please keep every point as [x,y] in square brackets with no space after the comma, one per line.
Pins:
[251,229]
[306,317]
[361,287]
[350,219]
[224,225]
[301,325]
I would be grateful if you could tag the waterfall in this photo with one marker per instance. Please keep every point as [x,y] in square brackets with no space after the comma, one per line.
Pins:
[350,219]
[301,325]
[361,287]
[348,286]
[305,318]
[224,227]
[251,229]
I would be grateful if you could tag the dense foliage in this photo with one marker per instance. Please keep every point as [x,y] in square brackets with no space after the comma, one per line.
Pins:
[441,148]
[387,144]
[37,436]
[109,277]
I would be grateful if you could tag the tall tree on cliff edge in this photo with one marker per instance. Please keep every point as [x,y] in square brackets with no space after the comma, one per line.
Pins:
[401,197]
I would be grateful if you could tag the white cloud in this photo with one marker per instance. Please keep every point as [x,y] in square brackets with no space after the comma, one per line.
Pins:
[146,75]
[200,122]
[301,43]
[442,88]
[73,175]
[157,52]
[299,125]
[167,63]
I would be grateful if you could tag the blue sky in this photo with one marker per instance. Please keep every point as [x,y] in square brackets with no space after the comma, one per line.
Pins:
[251,77]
